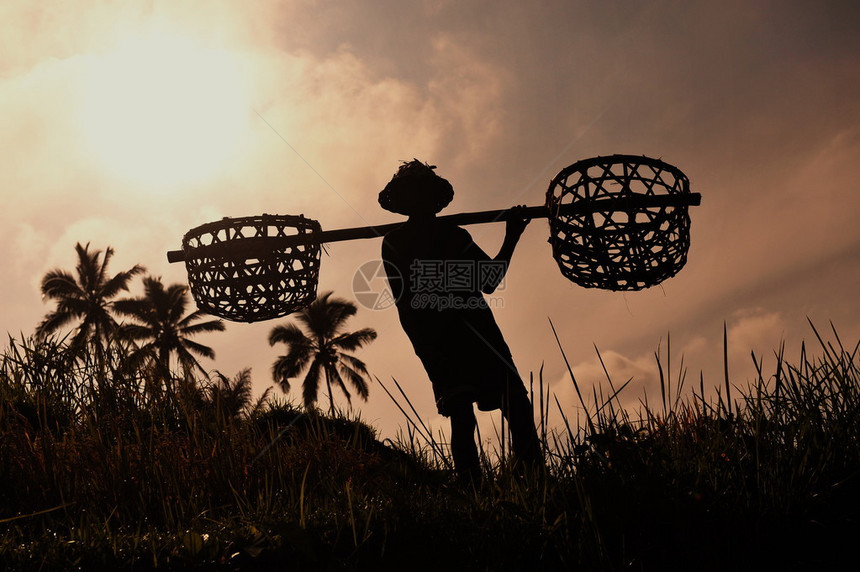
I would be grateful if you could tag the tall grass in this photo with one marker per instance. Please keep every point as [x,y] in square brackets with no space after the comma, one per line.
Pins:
[96,471]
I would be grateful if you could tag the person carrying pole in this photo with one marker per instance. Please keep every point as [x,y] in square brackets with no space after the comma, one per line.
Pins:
[437,274]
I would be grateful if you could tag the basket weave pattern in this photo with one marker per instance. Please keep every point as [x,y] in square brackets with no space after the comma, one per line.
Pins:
[619,248]
[235,274]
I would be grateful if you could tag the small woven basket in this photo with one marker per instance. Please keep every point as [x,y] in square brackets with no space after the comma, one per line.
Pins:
[236,274]
[624,247]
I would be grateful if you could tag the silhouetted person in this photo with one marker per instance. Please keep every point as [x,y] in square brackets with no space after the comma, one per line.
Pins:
[437,273]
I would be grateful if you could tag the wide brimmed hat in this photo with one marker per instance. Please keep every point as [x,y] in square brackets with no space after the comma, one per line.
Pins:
[416,189]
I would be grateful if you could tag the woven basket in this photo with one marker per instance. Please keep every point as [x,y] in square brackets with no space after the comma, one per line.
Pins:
[254,268]
[623,247]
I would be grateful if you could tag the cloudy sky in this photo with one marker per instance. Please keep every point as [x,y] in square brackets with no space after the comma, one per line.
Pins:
[126,124]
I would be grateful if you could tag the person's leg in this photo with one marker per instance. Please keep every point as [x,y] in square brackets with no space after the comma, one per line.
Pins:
[517,409]
[463,447]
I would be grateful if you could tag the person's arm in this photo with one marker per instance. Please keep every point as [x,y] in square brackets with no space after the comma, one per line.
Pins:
[514,227]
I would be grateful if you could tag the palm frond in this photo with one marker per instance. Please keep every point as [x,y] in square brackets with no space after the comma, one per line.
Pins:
[87,266]
[313,316]
[289,334]
[202,327]
[138,308]
[78,307]
[120,281]
[339,311]
[326,315]
[60,284]
[53,322]
[102,268]
[135,332]
[153,290]
[138,357]
[356,379]
[188,361]
[355,364]
[177,304]
[281,374]
[311,384]
[335,378]
[354,340]
[199,349]
[293,363]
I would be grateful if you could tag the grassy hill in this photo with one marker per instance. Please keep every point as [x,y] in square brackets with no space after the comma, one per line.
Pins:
[95,472]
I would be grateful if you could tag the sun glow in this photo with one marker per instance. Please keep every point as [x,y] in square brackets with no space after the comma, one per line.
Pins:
[162,111]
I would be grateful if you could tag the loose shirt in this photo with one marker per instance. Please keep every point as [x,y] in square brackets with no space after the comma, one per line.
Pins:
[435,272]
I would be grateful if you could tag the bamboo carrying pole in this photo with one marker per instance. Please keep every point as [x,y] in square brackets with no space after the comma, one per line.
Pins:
[259,246]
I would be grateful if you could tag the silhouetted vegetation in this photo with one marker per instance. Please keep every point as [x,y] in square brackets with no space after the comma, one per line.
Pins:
[160,329]
[322,350]
[99,470]
[85,298]
[211,479]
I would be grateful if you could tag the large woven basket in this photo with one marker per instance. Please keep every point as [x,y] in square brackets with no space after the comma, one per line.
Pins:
[250,269]
[619,246]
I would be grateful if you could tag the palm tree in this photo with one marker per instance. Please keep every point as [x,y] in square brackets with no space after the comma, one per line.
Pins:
[321,348]
[85,297]
[163,328]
